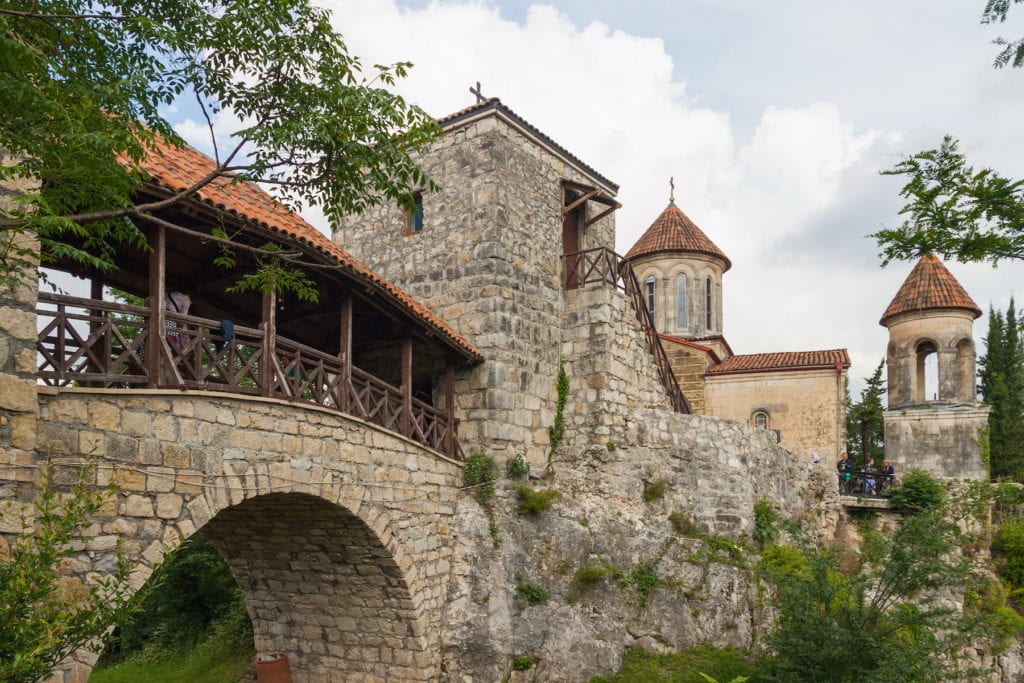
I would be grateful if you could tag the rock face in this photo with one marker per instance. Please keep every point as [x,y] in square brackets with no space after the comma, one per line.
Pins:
[686,548]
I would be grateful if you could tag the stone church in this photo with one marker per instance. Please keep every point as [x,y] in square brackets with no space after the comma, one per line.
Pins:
[484,252]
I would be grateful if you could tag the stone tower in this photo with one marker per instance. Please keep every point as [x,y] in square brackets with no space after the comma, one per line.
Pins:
[681,270]
[933,418]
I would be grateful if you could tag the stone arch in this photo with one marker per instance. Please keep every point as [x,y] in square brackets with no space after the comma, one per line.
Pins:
[926,369]
[966,390]
[321,585]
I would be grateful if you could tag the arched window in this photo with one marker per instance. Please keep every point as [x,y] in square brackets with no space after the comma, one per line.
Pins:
[650,295]
[681,302]
[760,419]
[927,388]
[708,307]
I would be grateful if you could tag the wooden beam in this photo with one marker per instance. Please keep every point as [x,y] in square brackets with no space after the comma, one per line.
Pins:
[157,307]
[406,420]
[580,200]
[602,214]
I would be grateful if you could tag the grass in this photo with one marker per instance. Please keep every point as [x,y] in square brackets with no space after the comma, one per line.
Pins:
[217,660]
[723,664]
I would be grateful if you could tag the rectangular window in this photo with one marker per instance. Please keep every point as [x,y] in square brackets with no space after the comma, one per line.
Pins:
[414,218]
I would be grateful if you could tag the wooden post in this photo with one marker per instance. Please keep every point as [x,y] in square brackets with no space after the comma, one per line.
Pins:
[269,324]
[103,348]
[345,351]
[449,408]
[157,306]
[406,420]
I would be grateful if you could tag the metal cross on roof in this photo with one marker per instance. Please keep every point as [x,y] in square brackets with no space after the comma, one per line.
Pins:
[672,190]
[479,95]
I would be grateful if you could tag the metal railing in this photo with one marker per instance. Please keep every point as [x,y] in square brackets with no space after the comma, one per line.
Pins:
[91,343]
[866,484]
[602,265]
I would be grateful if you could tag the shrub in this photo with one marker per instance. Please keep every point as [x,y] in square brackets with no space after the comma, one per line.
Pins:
[516,467]
[765,521]
[522,664]
[611,446]
[532,593]
[656,489]
[682,523]
[644,578]
[919,491]
[696,665]
[590,574]
[480,471]
[534,502]
[1008,553]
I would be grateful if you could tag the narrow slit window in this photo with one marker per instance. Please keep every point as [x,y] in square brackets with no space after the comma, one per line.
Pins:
[414,217]
[650,296]
[681,302]
[708,305]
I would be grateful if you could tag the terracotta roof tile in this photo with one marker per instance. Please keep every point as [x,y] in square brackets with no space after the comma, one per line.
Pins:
[462,116]
[177,168]
[786,360]
[673,231]
[929,286]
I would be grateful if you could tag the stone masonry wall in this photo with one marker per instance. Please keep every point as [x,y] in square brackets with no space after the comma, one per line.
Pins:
[18,404]
[487,262]
[689,366]
[938,438]
[337,531]
[607,359]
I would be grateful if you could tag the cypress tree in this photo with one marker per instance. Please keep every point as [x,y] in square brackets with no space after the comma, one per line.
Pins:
[865,436]
[1002,387]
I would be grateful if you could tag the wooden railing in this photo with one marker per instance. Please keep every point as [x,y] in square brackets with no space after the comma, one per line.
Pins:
[90,343]
[604,266]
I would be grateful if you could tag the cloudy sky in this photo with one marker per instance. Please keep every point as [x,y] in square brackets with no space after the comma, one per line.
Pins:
[773,117]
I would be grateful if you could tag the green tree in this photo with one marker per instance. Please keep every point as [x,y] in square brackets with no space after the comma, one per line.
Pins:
[1013,50]
[44,615]
[954,210]
[951,208]
[865,437]
[877,616]
[1002,387]
[86,83]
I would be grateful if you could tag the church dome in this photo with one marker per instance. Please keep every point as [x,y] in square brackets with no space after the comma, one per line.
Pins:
[930,286]
[674,232]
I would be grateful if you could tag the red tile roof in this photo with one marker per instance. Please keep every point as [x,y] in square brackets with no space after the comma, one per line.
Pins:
[464,116]
[673,231]
[786,360]
[929,286]
[177,168]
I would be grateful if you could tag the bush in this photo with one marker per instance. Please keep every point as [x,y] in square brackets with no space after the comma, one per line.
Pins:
[919,491]
[522,664]
[655,490]
[590,574]
[695,665]
[532,593]
[516,467]
[534,502]
[683,524]
[480,471]
[765,523]
[1008,553]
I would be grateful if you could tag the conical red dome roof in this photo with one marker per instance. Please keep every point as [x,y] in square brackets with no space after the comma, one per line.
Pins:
[929,286]
[673,231]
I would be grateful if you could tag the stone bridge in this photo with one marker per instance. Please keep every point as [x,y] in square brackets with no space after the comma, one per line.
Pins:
[336,530]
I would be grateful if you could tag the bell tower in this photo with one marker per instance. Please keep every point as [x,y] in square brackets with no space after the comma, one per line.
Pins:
[933,418]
